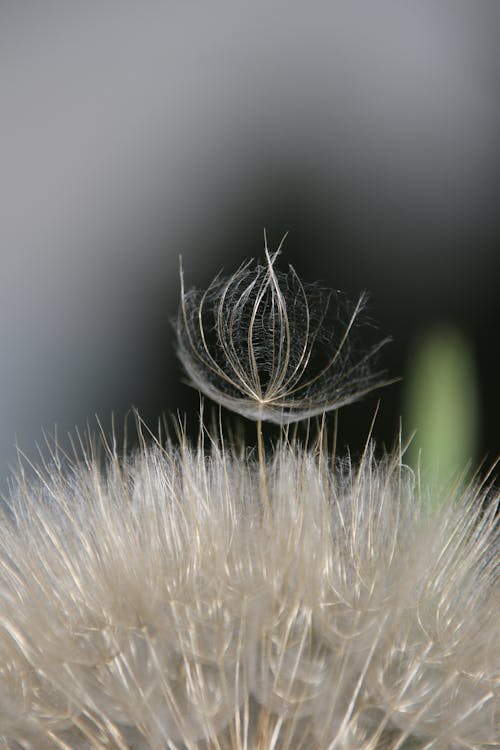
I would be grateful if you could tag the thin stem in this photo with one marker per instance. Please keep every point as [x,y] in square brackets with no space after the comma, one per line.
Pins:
[262,468]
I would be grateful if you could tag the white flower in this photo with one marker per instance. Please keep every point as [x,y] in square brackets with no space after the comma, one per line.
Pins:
[154,605]
[270,347]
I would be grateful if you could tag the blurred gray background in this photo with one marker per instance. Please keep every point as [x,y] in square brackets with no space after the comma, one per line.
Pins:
[132,133]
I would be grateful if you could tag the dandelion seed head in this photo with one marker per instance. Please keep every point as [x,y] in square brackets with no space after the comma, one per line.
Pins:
[155,602]
[152,604]
[265,344]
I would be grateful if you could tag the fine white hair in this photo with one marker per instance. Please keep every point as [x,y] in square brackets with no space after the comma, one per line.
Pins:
[148,602]
[270,347]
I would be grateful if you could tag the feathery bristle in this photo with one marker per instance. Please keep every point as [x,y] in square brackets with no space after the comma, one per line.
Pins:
[154,605]
[270,347]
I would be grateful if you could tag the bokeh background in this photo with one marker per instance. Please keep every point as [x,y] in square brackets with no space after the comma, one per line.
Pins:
[131,133]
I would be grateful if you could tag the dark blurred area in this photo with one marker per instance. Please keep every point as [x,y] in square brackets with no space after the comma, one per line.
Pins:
[132,133]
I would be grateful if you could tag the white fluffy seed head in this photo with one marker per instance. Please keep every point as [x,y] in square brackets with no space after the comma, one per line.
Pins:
[152,604]
[267,346]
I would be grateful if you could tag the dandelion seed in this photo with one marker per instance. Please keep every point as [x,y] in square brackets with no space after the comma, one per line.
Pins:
[270,347]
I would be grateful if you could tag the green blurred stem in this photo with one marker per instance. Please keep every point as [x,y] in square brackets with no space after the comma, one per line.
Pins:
[442,406]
